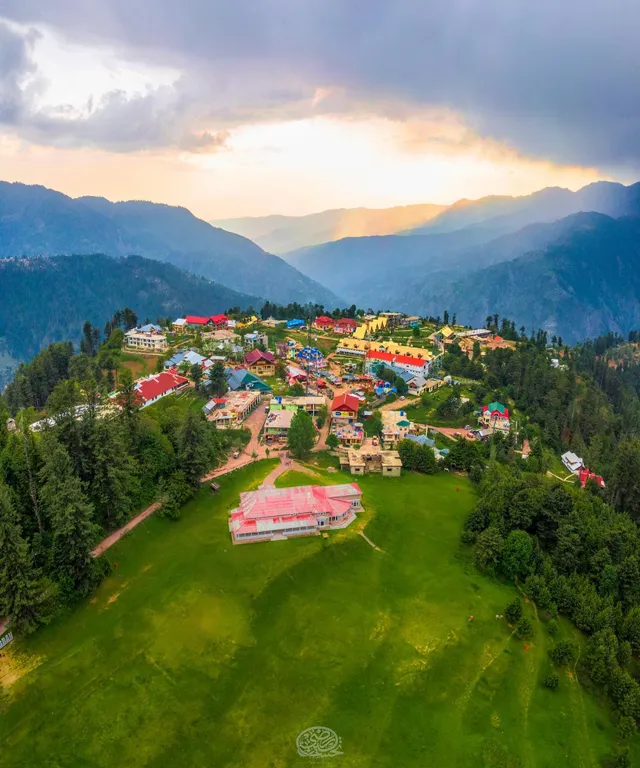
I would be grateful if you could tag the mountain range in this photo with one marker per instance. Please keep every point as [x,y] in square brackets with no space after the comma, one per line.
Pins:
[36,221]
[48,299]
[443,267]
[280,234]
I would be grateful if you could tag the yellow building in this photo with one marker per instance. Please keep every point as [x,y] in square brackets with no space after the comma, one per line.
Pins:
[360,347]
[370,326]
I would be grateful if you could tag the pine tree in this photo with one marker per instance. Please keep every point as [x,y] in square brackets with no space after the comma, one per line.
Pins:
[302,435]
[113,474]
[24,595]
[129,402]
[192,449]
[218,380]
[195,372]
[70,517]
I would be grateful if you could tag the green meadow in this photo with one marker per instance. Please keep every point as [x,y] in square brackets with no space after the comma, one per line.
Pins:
[196,653]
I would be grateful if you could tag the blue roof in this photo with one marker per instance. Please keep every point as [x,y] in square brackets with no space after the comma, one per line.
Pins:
[175,360]
[421,440]
[235,378]
[295,323]
[150,327]
[194,357]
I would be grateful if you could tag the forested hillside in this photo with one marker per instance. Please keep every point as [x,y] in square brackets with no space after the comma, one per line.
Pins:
[46,300]
[583,284]
[35,221]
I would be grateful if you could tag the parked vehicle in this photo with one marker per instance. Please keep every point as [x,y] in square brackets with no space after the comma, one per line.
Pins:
[236,454]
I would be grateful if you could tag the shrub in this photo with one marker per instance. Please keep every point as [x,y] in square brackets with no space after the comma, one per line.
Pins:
[551,681]
[552,627]
[626,728]
[524,629]
[513,611]
[563,653]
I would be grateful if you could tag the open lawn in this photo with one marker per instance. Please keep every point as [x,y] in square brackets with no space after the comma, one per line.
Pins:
[197,653]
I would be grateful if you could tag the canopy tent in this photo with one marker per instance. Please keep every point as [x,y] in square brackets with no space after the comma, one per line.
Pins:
[312,356]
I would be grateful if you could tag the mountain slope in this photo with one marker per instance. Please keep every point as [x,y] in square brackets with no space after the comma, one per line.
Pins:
[280,234]
[584,284]
[550,204]
[48,299]
[392,262]
[38,221]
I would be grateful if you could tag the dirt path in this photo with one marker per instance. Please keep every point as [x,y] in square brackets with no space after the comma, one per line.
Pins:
[399,405]
[452,432]
[117,535]
[254,423]
[286,465]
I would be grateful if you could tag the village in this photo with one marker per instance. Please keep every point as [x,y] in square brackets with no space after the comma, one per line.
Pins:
[370,385]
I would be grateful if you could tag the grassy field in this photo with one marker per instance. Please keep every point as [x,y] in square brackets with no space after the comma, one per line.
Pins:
[197,653]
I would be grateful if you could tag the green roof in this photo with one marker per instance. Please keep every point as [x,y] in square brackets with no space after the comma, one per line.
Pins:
[495,406]
[403,423]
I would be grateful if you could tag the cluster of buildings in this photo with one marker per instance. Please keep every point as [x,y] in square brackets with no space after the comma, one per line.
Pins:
[577,467]
[200,323]
[282,410]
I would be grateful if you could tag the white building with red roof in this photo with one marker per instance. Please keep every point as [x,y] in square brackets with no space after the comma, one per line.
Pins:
[159,385]
[279,513]
[413,365]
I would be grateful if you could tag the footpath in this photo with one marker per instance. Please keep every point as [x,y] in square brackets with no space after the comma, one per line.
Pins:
[254,423]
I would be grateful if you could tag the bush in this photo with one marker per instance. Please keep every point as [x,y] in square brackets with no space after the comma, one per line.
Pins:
[513,611]
[468,537]
[563,653]
[552,627]
[626,728]
[551,681]
[524,629]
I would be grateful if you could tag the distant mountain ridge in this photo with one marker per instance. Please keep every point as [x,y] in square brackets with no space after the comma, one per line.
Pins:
[394,262]
[545,205]
[48,299]
[281,234]
[37,221]
[582,285]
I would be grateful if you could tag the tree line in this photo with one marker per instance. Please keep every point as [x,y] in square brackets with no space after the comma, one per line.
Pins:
[93,465]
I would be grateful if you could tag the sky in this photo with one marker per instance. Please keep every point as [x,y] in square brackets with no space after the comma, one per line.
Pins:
[280,106]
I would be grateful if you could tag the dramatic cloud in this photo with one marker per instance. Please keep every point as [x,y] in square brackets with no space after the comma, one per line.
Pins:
[554,79]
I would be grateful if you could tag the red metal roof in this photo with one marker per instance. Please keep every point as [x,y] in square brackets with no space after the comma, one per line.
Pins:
[219,319]
[160,384]
[373,355]
[407,360]
[197,320]
[257,354]
[347,321]
[324,320]
[587,474]
[345,402]
[303,501]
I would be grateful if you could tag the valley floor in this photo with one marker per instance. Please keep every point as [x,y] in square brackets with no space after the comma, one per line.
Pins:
[198,653]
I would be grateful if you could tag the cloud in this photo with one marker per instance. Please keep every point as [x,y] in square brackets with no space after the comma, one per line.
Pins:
[553,79]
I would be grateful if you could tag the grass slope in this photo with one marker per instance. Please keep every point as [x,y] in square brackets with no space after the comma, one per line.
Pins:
[197,653]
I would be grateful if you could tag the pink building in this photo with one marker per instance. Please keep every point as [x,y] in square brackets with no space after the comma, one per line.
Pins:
[278,513]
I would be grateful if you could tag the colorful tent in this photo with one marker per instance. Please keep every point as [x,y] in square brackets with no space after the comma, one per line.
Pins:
[312,356]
